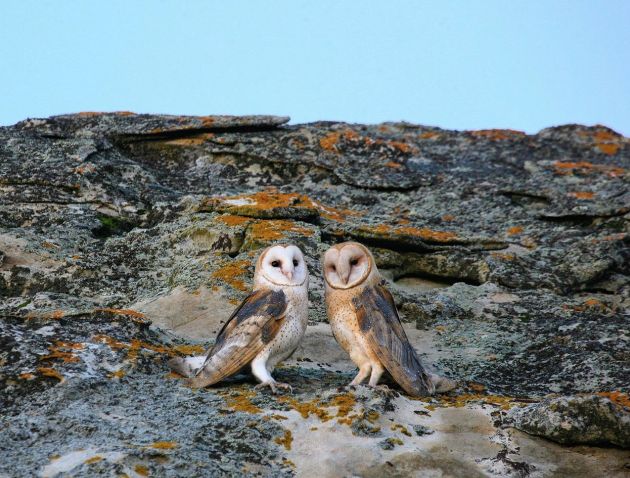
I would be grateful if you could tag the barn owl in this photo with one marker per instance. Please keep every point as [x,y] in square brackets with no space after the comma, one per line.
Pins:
[365,322]
[264,330]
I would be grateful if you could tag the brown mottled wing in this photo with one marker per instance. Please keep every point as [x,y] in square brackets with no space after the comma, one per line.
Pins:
[252,325]
[379,322]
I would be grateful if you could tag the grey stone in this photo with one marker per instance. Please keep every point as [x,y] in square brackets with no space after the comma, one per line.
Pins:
[576,420]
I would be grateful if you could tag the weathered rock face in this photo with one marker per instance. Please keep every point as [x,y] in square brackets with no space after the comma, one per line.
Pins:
[589,420]
[127,239]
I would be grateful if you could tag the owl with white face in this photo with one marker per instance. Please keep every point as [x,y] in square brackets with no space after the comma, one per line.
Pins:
[264,330]
[365,322]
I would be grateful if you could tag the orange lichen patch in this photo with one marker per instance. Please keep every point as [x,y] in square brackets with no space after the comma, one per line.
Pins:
[231,273]
[392,164]
[401,428]
[344,402]
[581,194]
[239,401]
[26,376]
[55,315]
[619,398]
[306,409]
[163,445]
[94,459]
[111,341]
[196,140]
[400,146]
[334,214]
[89,114]
[50,245]
[590,304]
[275,229]
[188,349]
[50,372]
[584,167]
[133,348]
[505,256]
[329,142]
[141,470]
[529,242]
[261,202]
[620,236]
[285,440]
[570,165]
[246,204]
[232,220]
[600,135]
[423,233]
[514,230]
[134,314]
[137,345]
[448,218]
[606,141]
[207,121]
[458,401]
[275,416]
[608,148]
[498,134]
[117,374]
[288,462]
[476,387]
[59,350]
[85,168]
[70,345]
[429,135]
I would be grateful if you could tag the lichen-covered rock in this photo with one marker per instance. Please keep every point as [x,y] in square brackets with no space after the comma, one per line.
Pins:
[576,420]
[126,239]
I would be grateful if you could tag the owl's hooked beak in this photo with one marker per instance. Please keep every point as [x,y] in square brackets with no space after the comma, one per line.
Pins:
[288,273]
[343,271]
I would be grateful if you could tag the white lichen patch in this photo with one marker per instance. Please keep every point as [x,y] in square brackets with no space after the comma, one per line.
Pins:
[69,461]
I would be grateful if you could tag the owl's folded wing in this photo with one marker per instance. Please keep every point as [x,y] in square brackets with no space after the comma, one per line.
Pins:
[380,325]
[252,325]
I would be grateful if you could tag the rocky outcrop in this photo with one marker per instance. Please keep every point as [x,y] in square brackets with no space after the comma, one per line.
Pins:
[589,420]
[127,239]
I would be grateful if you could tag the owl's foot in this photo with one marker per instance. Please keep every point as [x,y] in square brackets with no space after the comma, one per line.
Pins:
[274,386]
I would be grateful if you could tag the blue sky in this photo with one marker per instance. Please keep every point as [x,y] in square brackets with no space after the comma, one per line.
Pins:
[456,64]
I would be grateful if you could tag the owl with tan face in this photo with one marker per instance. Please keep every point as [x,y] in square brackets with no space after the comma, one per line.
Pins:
[365,322]
[264,330]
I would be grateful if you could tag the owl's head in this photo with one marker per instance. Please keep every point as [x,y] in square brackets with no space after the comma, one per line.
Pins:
[347,265]
[281,265]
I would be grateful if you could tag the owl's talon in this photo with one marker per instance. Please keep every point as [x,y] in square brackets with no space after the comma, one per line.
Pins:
[274,386]
[271,385]
[285,386]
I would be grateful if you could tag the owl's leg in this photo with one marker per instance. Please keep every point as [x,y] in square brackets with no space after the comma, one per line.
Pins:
[364,371]
[260,371]
[377,371]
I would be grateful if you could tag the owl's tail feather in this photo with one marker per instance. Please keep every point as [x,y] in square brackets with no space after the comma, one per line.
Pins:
[442,384]
[186,366]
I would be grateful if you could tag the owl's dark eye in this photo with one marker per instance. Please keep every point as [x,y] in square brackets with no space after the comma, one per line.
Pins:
[295,262]
[275,263]
[354,262]
[333,268]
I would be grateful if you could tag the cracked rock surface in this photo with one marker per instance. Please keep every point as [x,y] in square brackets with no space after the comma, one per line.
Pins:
[127,239]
